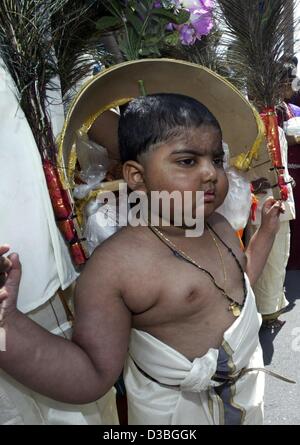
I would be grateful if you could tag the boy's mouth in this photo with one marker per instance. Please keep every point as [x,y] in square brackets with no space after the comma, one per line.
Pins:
[209,196]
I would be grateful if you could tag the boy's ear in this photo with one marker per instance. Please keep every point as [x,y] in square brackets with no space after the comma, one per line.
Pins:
[133,174]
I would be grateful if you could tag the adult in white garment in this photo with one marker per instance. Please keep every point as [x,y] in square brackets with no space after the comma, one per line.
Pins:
[269,289]
[28,225]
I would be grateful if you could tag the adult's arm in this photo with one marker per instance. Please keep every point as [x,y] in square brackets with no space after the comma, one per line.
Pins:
[77,371]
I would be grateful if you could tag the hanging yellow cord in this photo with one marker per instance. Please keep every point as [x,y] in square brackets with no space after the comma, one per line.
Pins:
[244,160]
[67,178]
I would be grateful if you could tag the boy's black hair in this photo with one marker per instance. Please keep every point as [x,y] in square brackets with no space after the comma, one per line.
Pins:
[155,118]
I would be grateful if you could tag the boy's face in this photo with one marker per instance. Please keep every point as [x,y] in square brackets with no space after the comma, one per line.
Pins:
[286,90]
[191,162]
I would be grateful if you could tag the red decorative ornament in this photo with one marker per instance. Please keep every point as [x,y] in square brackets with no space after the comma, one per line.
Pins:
[254,204]
[63,212]
[67,228]
[269,118]
[60,202]
[78,253]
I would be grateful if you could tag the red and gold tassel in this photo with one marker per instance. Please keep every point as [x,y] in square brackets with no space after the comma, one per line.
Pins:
[269,118]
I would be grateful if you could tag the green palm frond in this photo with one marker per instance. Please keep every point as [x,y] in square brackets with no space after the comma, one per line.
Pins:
[25,47]
[256,44]
[76,41]
[42,39]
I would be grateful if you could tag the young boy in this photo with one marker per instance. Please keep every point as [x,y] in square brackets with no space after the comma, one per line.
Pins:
[178,311]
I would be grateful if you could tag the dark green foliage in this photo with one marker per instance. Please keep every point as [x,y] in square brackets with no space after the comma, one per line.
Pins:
[139,26]
[41,40]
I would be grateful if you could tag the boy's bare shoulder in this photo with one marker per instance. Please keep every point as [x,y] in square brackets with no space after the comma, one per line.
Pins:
[125,246]
[116,258]
[224,229]
[218,220]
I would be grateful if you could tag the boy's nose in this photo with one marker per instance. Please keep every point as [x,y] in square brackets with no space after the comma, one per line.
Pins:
[208,172]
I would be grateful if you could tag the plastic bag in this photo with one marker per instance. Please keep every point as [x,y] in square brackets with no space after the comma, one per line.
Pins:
[94,163]
[237,204]
[101,223]
[292,126]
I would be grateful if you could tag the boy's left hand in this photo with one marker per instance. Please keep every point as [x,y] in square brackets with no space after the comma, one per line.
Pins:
[271,211]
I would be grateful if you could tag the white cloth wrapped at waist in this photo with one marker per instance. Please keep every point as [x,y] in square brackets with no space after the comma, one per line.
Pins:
[192,396]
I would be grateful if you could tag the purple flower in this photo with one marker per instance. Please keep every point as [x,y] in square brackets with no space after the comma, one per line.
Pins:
[209,4]
[202,23]
[187,34]
[198,4]
[157,4]
[170,27]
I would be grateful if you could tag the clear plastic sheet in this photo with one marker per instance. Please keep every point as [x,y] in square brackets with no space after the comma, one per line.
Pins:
[237,205]
[94,163]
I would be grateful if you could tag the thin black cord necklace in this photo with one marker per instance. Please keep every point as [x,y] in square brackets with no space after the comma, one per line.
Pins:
[234,306]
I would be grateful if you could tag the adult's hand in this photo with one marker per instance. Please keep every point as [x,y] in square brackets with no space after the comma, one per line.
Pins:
[10,277]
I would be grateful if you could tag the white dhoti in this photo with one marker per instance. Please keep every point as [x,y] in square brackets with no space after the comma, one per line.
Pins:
[269,289]
[20,406]
[165,388]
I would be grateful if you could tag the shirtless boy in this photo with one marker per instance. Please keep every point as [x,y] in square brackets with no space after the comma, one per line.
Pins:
[182,307]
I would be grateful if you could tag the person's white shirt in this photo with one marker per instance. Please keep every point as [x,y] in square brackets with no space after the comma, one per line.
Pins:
[27,220]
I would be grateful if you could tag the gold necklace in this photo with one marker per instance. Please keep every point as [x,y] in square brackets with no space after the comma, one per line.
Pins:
[234,307]
[220,255]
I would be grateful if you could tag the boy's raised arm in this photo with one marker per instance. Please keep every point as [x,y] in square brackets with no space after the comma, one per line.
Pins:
[77,371]
[262,241]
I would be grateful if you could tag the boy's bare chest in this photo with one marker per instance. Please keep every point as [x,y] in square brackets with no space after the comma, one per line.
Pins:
[172,291]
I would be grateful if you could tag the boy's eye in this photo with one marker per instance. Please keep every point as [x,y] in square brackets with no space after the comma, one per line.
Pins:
[219,161]
[187,162]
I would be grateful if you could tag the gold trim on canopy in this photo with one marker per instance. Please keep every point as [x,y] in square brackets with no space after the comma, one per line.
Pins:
[240,123]
[242,127]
